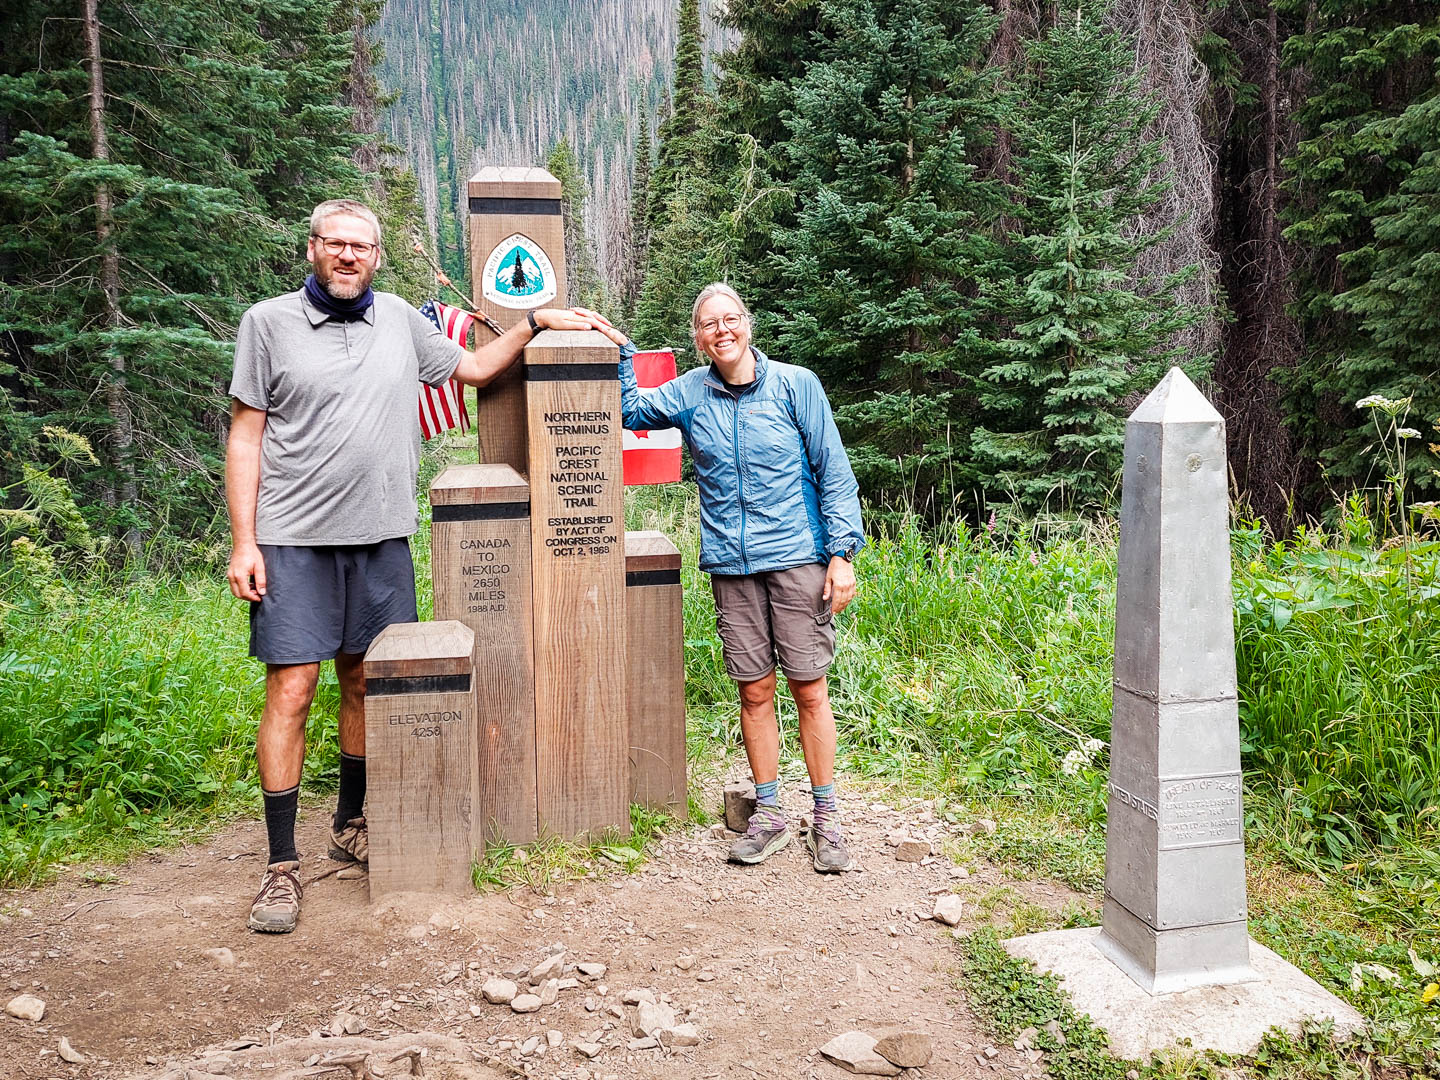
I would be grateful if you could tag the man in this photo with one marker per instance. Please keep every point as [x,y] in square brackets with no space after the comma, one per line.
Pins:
[320,485]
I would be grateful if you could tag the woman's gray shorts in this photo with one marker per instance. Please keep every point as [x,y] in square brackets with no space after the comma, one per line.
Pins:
[320,601]
[779,612]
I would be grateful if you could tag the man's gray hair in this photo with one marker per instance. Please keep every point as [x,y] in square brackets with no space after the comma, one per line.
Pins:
[716,288]
[335,207]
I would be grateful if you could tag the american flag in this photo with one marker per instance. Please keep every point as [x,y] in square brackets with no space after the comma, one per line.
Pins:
[443,407]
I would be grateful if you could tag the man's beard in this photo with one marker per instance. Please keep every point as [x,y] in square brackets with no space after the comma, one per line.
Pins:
[345,289]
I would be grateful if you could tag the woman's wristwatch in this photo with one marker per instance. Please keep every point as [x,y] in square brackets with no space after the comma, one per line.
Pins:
[535,327]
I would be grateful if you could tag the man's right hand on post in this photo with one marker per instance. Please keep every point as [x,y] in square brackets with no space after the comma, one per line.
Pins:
[247,573]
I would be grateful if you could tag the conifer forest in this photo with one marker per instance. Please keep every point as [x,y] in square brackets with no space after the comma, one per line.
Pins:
[989,225]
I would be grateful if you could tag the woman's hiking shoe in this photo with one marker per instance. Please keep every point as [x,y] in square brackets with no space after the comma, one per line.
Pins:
[766,834]
[277,905]
[351,842]
[827,848]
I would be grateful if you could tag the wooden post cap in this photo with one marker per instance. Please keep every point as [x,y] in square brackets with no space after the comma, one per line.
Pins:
[416,650]
[514,182]
[569,349]
[650,550]
[468,485]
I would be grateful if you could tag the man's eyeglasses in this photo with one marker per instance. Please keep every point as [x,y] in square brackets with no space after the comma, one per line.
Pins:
[730,321]
[334,246]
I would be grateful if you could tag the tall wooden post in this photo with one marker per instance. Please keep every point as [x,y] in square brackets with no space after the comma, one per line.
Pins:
[572,393]
[655,680]
[480,564]
[420,742]
[517,263]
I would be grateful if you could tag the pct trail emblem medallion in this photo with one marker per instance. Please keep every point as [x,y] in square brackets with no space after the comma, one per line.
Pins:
[518,274]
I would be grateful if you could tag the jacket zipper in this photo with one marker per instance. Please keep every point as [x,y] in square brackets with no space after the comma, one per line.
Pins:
[739,482]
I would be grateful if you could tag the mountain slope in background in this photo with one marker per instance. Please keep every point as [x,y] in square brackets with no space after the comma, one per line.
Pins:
[499,82]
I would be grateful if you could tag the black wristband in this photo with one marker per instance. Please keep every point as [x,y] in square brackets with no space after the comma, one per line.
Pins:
[535,327]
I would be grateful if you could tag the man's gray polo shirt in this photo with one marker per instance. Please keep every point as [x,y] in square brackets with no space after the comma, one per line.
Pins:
[342,429]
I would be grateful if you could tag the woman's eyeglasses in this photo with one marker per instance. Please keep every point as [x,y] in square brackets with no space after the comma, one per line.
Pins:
[730,321]
[333,246]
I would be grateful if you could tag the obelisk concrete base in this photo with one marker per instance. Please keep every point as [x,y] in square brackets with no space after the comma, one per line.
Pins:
[1229,1019]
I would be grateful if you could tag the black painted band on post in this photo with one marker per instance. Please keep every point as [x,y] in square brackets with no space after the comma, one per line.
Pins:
[572,372]
[541,207]
[652,577]
[418,684]
[441,512]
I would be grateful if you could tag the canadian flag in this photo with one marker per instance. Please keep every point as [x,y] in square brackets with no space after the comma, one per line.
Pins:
[652,457]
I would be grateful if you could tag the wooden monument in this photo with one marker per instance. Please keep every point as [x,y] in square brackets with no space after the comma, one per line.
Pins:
[422,776]
[480,566]
[655,673]
[521,714]
[577,508]
[517,264]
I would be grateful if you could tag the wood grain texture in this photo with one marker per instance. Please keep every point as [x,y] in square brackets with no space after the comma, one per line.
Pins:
[405,650]
[514,182]
[578,566]
[481,574]
[655,677]
[463,485]
[500,407]
[421,776]
[647,549]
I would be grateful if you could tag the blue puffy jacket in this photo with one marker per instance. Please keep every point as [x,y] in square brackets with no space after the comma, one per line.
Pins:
[776,489]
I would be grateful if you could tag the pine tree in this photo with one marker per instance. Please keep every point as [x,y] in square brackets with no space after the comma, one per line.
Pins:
[582,277]
[1084,334]
[1397,307]
[689,109]
[686,200]
[880,271]
[778,39]
[155,178]
[1367,66]
[639,218]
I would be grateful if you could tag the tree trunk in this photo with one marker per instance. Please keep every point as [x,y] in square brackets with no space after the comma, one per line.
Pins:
[122,438]
[361,95]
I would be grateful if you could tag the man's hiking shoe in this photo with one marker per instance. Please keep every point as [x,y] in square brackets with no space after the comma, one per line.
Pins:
[827,848]
[351,842]
[766,834]
[277,905]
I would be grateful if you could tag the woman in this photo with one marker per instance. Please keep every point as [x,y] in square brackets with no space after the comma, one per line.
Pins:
[780,526]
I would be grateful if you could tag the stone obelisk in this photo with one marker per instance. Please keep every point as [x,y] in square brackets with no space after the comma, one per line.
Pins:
[1173,960]
[1175,906]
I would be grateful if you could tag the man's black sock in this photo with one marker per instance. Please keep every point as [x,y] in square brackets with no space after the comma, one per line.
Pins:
[352,789]
[280,807]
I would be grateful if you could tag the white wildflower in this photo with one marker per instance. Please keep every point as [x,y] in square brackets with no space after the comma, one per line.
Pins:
[1407,433]
[1081,757]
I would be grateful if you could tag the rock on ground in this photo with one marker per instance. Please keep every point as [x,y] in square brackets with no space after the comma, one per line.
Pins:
[499,991]
[908,1049]
[26,1007]
[855,1051]
[948,909]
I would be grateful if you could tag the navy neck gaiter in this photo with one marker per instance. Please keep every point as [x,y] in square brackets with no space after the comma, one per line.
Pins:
[344,310]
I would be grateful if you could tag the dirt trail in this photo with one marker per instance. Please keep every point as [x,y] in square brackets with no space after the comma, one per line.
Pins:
[768,962]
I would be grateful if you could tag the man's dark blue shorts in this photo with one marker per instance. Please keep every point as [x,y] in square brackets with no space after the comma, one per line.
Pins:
[323,600]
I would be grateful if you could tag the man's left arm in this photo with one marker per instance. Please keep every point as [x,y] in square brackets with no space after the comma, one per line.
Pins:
[835,481]
[493,358]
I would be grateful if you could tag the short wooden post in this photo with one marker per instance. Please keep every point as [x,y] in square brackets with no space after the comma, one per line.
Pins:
[420,757]
[515,224]
[480,564]
[577,510]
[655,684]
